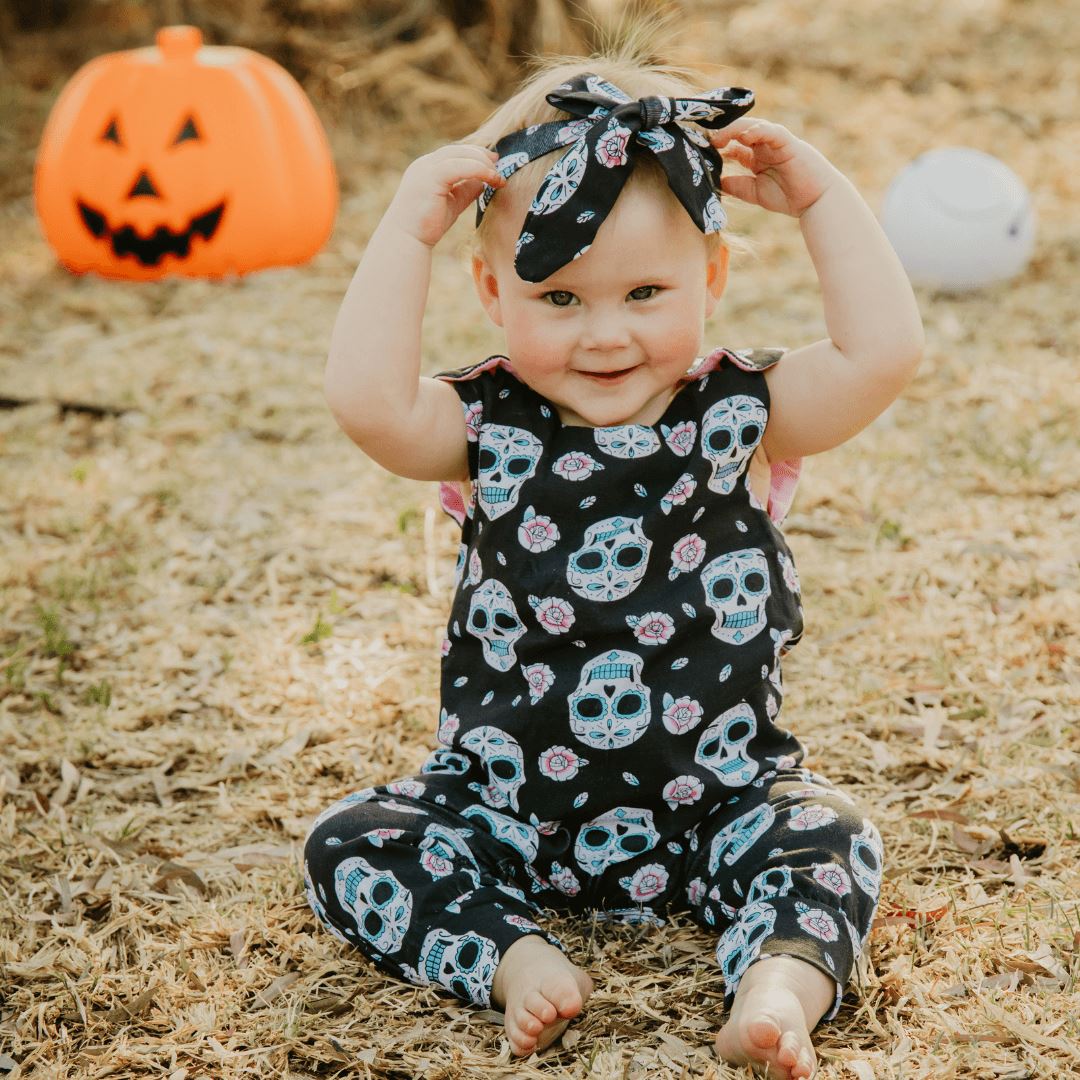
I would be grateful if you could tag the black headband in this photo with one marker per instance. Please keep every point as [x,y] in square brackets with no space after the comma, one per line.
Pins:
[582,186]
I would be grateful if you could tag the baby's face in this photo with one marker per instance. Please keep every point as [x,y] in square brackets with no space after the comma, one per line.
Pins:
[606,337]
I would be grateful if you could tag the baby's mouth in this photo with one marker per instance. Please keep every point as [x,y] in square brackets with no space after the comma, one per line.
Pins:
[608,376]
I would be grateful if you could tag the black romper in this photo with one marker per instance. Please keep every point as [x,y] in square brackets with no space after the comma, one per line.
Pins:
[608,735]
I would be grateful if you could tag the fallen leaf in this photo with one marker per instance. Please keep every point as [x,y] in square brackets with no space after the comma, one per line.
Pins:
[968,841]
[941,815]
[1026,1031]
[1025,847]
[992,866]
[171,871]
[1041,960]
[1017,870]
[277,987]
[932,721]
[131,1009]
[237,940]
[914,915]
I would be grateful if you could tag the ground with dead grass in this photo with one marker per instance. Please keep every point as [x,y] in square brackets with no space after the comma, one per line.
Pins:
[217,617]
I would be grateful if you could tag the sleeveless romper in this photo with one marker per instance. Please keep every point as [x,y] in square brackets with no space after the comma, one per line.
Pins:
[610,686]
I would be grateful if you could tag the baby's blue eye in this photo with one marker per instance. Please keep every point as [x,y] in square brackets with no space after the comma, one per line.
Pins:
[651,290]
[559,297]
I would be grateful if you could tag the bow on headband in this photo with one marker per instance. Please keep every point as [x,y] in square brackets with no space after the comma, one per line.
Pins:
[582,186]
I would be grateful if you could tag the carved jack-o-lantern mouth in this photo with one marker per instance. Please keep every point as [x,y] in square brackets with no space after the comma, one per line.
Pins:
[163,241]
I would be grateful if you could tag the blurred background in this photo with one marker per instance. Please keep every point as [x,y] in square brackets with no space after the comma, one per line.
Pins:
[217,616]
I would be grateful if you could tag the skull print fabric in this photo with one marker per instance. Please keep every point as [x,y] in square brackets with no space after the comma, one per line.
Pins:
[608,734]
[611,666]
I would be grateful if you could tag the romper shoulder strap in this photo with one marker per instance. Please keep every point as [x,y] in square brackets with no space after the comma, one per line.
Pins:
[784,474]
[756,359]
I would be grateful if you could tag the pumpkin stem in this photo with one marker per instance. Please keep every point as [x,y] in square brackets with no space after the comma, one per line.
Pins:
[179,42]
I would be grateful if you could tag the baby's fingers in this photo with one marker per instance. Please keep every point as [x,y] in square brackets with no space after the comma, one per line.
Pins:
[451,164]
[737,152]
[752,133]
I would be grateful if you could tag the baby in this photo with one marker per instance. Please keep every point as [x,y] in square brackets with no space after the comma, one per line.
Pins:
[608,739]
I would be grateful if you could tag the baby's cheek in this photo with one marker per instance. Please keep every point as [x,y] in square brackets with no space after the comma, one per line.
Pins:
[678,340]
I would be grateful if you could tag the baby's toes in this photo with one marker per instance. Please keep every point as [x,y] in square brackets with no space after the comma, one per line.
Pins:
[541,1008]
[804,1069]
[787,1052]
[564,996]
[522,1029]
[764,1032]
[520,1042]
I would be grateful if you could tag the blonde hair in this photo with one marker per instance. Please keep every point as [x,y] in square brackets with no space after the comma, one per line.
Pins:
[629,54]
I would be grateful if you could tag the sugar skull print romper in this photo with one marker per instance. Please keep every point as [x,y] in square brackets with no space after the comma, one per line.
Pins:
[608,737]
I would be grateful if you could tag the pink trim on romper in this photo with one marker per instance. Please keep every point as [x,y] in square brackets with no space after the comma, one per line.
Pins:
[785,474]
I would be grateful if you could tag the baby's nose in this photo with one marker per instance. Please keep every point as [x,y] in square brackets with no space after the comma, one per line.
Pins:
[606,330]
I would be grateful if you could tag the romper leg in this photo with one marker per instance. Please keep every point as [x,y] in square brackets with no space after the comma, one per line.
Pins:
[791,867]
[417,888]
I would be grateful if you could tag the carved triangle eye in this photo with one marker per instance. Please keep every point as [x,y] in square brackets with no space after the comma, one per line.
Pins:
[111,133]
[188,131]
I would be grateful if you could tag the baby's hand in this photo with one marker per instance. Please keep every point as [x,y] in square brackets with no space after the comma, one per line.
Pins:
[437,187]
[789,174]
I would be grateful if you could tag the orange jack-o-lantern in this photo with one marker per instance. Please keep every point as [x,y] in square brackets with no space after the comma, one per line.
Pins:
[184,159]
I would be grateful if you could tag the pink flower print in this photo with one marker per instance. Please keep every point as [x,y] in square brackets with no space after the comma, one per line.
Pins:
[573,130]
[681,438]
[647,882]
[560,763]
[611,147]
[548,828]
[445,647]
[652,628]
[448,726]
[680,491]
[377,836]
[539,677]
[810,817]
[520,922]
[817,921]
[686,555]
[536,532]
[683,791]
[576,466]
[554,614]
[472,417]
[411,789]
[695,891]
[681,714]
[834,877]
[436,865]
[563,879]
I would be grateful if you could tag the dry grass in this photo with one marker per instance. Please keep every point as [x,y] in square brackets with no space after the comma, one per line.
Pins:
[216,617]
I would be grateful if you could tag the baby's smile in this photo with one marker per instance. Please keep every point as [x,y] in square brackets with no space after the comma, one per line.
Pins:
[615,375]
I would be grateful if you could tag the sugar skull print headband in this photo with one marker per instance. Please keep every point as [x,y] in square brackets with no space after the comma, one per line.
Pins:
[582,186]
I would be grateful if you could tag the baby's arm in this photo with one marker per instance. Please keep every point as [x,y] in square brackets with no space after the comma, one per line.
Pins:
[411,425]
[824,393]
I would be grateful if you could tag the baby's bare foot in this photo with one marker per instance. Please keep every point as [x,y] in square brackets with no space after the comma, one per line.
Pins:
[778,1003]
[539,991]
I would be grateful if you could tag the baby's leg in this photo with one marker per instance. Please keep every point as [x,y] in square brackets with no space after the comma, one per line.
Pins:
[424,893]
[791,871]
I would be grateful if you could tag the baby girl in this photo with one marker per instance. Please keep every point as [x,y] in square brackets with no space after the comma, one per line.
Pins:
[608,738]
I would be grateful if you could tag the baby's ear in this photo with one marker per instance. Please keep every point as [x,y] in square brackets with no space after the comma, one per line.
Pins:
[716,277]
[487,288]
